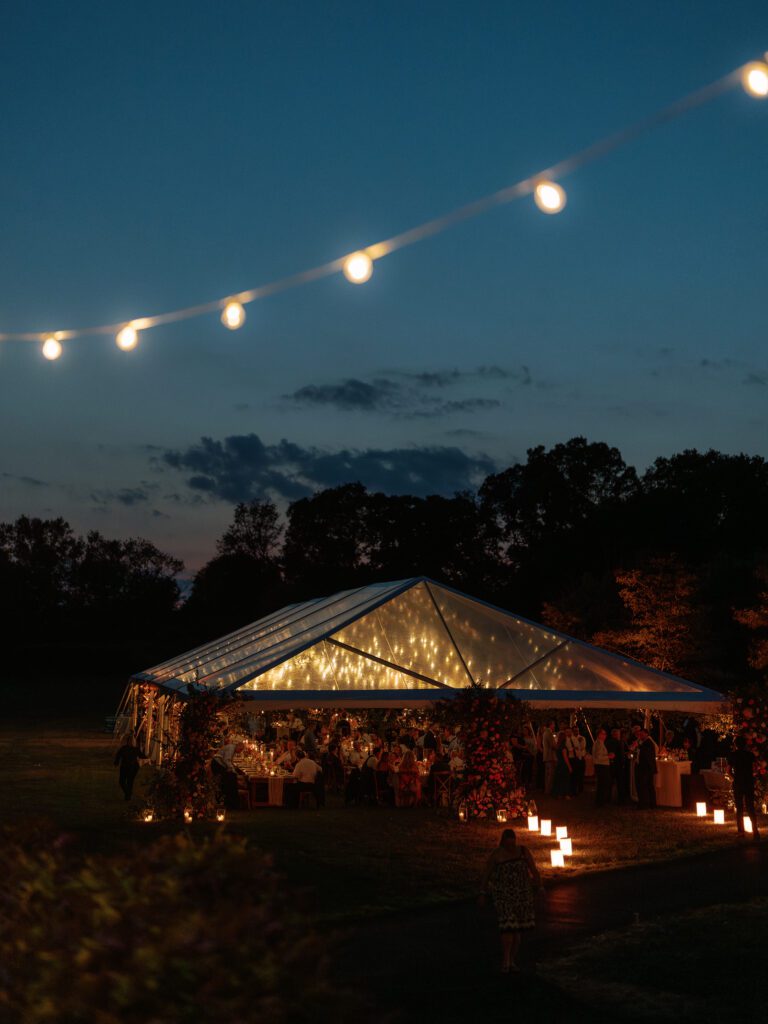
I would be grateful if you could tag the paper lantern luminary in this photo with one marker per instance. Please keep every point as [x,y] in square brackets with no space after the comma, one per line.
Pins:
[558,860]
[719,816]
[546,827]
[701,809]
[567,847]
[533,823]
[561,832]
[748,827]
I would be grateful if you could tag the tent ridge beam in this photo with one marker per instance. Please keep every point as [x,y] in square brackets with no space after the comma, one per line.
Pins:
[388,664]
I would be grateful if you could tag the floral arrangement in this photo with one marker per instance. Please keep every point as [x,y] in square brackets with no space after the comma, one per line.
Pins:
[750,717]
[185,786]
[486,724]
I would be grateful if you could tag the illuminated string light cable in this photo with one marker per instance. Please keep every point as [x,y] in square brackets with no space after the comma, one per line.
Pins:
[357,267]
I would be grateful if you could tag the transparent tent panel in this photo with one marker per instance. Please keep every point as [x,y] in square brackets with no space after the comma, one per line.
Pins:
[200,656]
[328,667]
[578,667]
[409,632]
[495,645]
[266,647]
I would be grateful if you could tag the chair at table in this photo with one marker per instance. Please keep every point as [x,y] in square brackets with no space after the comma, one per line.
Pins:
[442,789]
[718,787]
[243,793]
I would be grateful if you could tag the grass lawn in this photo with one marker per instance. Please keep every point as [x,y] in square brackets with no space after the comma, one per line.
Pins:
[349,857]
[703,965]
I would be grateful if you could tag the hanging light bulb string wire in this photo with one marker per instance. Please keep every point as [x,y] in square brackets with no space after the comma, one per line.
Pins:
[429,228]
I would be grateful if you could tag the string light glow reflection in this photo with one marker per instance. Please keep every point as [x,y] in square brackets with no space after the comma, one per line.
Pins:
[358,267]
[549,197]
[233,316]
[754,78]
[52,348]
[127,339]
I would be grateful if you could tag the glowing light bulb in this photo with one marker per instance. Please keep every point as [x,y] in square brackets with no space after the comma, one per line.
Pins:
[128,338]
[233,316]
[549,197]
[358,267]
[52,347]
[754,78]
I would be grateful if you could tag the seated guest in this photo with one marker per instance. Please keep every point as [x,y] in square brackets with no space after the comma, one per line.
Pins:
[355,756]
[309,778]
[408,785]
[383,784]
[288,757]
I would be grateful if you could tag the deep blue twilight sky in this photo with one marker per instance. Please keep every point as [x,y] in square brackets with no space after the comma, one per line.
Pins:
[161,154]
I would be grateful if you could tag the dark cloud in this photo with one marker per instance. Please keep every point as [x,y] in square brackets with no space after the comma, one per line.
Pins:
[242,467]
[760,379]
[447,378]
[241,407]
[352,394]
[28,481]
[408,395]
[129,496]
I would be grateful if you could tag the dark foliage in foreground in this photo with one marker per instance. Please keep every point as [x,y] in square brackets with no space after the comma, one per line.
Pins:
[180,932]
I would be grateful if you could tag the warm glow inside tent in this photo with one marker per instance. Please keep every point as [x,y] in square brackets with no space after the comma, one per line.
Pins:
[408,643]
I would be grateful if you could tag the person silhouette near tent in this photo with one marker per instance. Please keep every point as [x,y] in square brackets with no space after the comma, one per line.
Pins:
[128,757]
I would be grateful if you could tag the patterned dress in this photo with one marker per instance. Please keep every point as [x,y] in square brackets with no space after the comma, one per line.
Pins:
[512,894]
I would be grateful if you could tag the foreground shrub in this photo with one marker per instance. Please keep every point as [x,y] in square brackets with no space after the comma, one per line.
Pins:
[176,932]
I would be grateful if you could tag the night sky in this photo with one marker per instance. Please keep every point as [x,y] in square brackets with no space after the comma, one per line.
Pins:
[157,155]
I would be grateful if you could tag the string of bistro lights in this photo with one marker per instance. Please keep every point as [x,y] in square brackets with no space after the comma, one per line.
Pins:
[357,267]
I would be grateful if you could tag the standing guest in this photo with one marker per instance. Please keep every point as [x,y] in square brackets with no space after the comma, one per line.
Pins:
[625,791]
[602,762]
[742,761]
[578,761]
[309,740]
[430,739]
[128,757]
[561,786]
[617,754]
[528,756]
[645,771]
[509,879]
[549,756]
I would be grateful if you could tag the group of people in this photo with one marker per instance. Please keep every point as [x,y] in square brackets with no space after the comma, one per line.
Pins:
[397,765]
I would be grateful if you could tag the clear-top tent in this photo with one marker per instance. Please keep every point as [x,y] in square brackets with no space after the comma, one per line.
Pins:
[408,643]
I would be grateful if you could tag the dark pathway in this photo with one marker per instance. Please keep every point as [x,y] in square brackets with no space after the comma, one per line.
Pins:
[449,953]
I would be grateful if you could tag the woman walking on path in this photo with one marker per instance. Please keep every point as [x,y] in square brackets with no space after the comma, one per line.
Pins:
[509,880]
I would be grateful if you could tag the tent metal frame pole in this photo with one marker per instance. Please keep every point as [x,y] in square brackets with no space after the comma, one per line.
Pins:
[389,664]
[450,634]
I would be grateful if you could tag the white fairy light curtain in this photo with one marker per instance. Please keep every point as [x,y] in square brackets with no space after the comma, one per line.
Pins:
[548,195]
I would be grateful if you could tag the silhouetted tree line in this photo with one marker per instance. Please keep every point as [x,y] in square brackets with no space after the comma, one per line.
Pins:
[669,566]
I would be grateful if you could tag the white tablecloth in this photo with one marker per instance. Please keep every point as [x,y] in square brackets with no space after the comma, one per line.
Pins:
[669,792]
